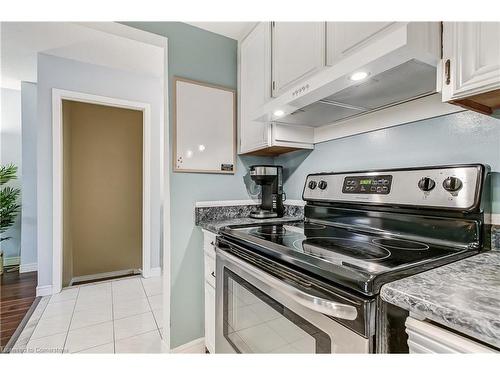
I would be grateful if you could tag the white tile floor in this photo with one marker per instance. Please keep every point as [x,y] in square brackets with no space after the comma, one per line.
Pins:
[119,316]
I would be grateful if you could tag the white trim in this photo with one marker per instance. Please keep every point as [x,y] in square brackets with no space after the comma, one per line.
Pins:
[103,275]
[44,290]
[415,110]
[28,267]
[295,202]
[195,346]
[165,199]
[244,202]
[155,272]
[493,219]
[11,261]
[57,175]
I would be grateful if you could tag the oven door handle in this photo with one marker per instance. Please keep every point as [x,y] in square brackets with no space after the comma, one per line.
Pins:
[307,300]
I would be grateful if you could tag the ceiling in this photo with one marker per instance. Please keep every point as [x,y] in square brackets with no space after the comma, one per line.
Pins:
[234,30]
[22,41]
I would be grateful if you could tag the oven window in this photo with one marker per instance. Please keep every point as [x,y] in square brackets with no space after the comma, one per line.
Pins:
[253,322]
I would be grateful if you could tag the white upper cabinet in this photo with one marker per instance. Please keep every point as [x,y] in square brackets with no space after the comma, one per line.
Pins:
[298,50]
[260,137]
[254,87]
[345,38]
[471,65]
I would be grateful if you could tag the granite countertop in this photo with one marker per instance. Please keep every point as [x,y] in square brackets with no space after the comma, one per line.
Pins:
[464,296]
[215,225]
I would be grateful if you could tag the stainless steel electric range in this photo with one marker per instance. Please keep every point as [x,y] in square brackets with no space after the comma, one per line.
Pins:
[312,286]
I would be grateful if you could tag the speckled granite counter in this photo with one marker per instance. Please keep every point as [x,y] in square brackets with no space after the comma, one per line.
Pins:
[214,215]
[215,225]
[464,296]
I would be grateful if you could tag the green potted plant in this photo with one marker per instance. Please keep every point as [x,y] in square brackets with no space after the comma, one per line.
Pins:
[9,206]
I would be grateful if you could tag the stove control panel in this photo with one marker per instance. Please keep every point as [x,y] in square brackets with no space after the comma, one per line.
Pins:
[367,184]
[451,187]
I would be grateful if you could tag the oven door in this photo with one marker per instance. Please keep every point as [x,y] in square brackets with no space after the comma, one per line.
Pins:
[257,312]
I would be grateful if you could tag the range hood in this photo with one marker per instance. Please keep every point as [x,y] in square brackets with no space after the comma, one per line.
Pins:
[400,67]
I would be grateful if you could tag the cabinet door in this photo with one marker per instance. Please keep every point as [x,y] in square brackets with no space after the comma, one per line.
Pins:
[344,38]
[210,317]
[298,50]
[426,337]
[473,51]
[254,87]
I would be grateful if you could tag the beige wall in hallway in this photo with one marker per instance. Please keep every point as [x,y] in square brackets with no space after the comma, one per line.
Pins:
[103,189]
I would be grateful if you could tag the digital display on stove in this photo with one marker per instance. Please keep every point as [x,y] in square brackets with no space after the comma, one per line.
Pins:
[367,184]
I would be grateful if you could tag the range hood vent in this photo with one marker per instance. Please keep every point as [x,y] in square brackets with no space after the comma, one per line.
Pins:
[404,82]
[401,63]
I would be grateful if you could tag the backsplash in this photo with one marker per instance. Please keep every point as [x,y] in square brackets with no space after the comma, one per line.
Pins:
[217,213]
[495,237]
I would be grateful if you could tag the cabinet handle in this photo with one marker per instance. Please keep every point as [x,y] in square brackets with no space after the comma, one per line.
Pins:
[213,273]
[447,71]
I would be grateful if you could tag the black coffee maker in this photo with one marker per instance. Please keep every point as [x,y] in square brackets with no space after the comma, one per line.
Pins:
[270,178]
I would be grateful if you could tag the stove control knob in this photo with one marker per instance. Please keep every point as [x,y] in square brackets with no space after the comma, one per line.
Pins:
[426,184]
[322,185]
[452,184]
[312,185]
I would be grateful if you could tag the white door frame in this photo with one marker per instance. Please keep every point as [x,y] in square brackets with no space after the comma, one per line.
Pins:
[57,174]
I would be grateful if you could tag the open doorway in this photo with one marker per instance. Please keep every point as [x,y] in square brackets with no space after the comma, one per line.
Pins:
[102,190]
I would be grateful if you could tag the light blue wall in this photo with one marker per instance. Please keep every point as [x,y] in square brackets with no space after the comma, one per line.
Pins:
[56,72]
[10,136]
[199,55]
[29,126]
[464,137]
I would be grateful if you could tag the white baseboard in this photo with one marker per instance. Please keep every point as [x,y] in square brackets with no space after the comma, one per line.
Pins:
[43,290]
[244,202]
[493,219]
[295,202]
[194,347]
[11,261]
[102,275]
[28,267]
[240,202]
[154,272]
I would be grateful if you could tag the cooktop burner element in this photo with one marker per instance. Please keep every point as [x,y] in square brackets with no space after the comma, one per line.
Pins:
[273,230]
[332,248]
[394,243]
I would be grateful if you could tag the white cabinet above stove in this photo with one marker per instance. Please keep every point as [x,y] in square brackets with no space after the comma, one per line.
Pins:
[399,60]
[471,65]
[254,91]
[298,52]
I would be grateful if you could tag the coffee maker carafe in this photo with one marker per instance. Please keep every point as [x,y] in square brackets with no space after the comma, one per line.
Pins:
[270,178]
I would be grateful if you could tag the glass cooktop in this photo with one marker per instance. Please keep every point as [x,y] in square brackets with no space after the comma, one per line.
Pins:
[346,254]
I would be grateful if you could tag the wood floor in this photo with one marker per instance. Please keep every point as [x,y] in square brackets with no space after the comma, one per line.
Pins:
[17,293]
